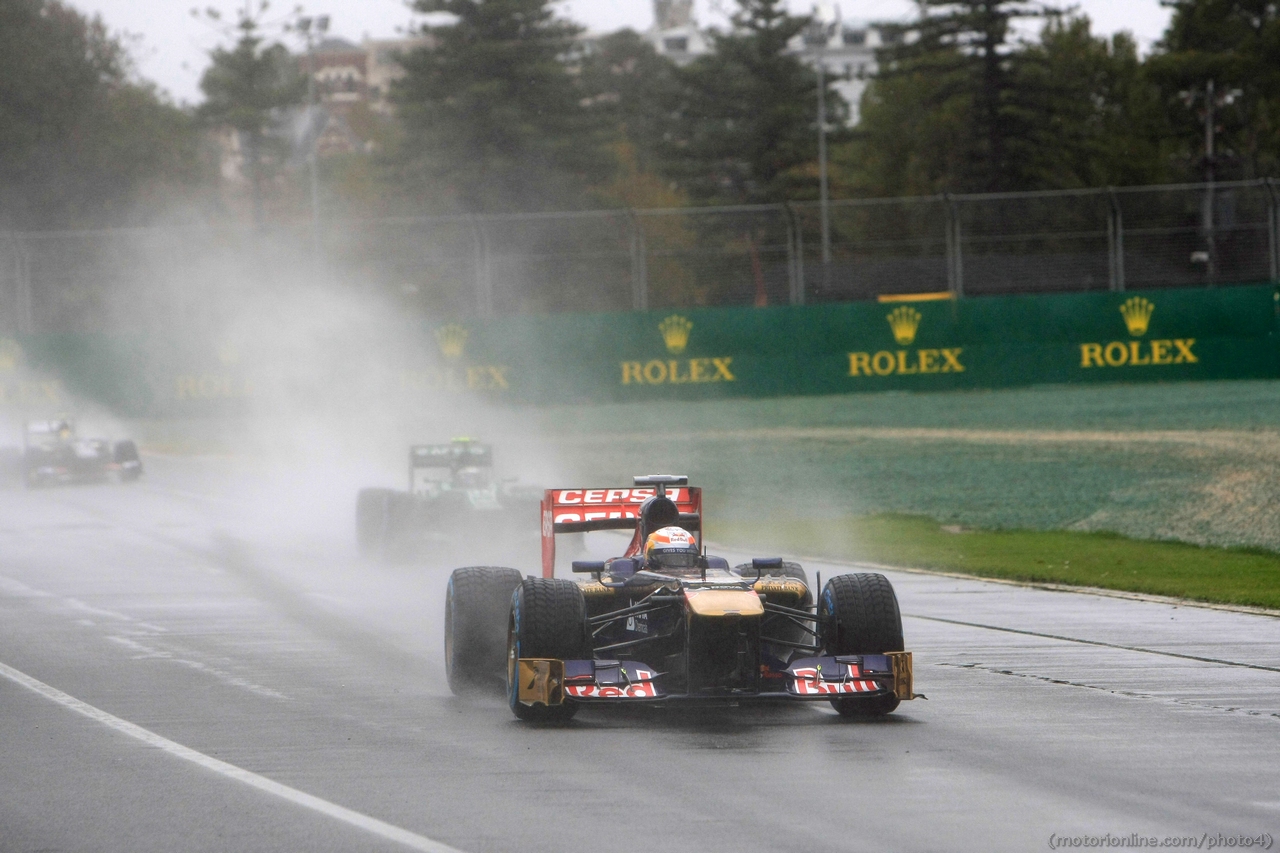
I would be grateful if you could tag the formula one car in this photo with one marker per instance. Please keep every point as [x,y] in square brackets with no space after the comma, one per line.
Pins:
[452,492]
[52,454]
[666,623]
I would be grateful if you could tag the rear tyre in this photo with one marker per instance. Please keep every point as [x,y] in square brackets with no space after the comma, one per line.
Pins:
[548,620]
[477,605]
[859,614]
[125,455]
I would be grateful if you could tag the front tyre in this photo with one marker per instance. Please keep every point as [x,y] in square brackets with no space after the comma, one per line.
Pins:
[548,620]
[859,614]
[476,606]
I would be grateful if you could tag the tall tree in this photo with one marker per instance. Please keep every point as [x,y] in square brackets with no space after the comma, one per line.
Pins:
[1235,45]
[247,88]
[746,129]
[492,113]
[957,63]
[80,139]
[1091,112]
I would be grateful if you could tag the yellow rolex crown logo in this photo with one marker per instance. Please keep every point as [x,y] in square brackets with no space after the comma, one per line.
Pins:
[1137,314]
[452,340]
[675,332]
[904,320]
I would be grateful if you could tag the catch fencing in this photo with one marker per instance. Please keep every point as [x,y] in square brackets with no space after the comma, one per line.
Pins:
[1072,241]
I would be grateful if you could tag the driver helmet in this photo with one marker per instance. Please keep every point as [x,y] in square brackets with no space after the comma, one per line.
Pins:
[671,548]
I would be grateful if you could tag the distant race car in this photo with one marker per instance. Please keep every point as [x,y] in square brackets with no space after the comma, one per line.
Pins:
[664,622]
[452,493]
[52,454]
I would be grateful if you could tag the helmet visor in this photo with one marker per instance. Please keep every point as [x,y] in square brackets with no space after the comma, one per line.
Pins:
[675,558]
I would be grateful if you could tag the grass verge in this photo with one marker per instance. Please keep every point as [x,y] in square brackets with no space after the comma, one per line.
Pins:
[1106,560]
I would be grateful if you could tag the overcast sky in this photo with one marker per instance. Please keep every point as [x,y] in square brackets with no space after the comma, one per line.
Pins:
[172,46]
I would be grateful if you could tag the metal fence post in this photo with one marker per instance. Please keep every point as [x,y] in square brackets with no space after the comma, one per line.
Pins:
[639,263]
[484,282]
[1273,230]
[799,237]
[795,255]
[1115,240]
[955,259]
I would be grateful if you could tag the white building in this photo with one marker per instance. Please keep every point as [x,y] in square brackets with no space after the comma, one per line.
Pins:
[845,49]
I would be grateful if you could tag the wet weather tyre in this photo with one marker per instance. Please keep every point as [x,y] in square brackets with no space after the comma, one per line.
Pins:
[548,620]
[477,605]
[860,615]
[125,455]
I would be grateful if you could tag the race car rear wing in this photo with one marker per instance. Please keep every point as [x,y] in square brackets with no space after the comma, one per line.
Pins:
[585,510]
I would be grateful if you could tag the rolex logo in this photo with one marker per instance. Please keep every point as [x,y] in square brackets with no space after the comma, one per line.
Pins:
[675,332]
[452,340]
[904,320]
[1137,314]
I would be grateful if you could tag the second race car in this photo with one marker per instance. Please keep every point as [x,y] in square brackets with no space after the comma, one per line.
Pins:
[53,454]
[453,492]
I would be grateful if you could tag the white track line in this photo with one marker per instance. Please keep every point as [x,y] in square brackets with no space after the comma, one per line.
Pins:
[253,780]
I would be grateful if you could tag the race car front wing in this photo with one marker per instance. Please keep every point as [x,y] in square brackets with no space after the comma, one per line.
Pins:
[548,681]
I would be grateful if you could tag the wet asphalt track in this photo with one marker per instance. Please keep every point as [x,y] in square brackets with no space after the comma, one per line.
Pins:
[235,620]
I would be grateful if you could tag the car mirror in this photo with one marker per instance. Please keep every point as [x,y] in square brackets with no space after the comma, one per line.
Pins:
[588,567]
[762,563]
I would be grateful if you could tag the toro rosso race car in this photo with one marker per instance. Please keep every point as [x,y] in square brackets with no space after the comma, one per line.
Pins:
[452,488]
[52,454]
[667,623]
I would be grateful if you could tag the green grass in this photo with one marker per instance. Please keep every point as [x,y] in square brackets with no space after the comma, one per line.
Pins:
[1106,560]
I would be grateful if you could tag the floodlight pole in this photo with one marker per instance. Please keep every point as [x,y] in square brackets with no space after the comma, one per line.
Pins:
[823,194]
[321,25]
[1209,177]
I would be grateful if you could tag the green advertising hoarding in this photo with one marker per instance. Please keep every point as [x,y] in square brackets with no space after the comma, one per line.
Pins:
[705,353]
[914,344]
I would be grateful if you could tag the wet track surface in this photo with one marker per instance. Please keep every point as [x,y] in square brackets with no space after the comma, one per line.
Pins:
[237,622]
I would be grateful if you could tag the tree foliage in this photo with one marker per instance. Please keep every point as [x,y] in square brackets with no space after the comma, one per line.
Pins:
[247,88]
[958,107]
[1236,45]
[491,110]
[745,128]
[80,142]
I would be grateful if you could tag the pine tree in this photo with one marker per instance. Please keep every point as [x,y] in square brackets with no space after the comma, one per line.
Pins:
[492,111]
[80,141]
[958,63]
[246,88]
[1235,44]
[746,128]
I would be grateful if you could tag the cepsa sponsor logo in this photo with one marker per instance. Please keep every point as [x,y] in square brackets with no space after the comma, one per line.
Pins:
[673,371]
[615,499]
